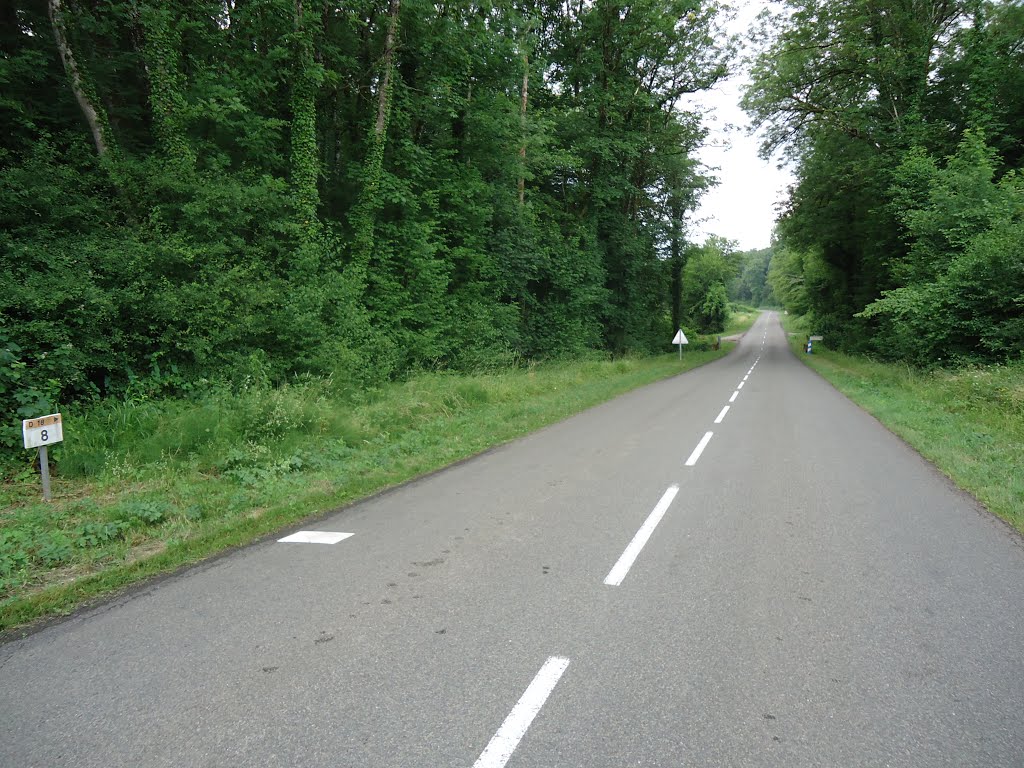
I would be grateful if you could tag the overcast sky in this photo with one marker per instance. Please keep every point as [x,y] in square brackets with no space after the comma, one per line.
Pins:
[742,206]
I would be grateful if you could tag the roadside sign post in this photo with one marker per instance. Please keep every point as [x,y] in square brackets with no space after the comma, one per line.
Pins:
[680,339]
[44,471]
[40,433]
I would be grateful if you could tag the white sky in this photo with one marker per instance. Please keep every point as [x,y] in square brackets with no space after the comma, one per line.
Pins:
[742,206]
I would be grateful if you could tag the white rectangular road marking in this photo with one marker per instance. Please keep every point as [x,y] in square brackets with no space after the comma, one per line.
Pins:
[746,377]
[722,415]
[699,449]
[740,386]
[632,551]
[733,398]
[505,741]
[315,537]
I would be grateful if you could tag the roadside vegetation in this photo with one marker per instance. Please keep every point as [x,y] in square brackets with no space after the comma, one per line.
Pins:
[741,317]
[904,228]
[969,422]
[147,486]
[267,258]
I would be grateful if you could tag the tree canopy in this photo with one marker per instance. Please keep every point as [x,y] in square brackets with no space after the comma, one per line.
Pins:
[250,189]
[905,123]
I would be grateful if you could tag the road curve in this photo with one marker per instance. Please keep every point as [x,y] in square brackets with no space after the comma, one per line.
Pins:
[659,581]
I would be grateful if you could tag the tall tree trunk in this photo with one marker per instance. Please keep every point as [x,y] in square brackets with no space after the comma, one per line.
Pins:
[166,87]
[384,93]
[93,116]
[522,124]
[677,260]
[365,213]
[305,156]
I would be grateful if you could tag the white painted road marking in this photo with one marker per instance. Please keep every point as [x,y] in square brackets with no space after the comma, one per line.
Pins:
[699,449]
[505,741]
[734,395]
[722,415]
[740,386]
[316,537]
[632,550]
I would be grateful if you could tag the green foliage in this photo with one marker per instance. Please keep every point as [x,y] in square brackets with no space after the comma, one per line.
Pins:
[25,396]
[142,513]
[705,301]
[96,534]
[887,245]
[752,285]
[964,293]
[252,220]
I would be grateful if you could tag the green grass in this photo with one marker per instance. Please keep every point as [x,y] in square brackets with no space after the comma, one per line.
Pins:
[145,488]
[741,317]
[969,423]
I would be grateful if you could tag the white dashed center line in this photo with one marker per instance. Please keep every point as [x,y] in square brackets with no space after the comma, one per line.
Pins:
[699,449]
[721,416]
[505,741]
[734,396]
[632,550]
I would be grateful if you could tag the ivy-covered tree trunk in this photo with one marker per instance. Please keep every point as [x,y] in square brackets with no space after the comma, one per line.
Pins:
[365,213]
[162,52]
[80,86]
[305,157]
[522,121]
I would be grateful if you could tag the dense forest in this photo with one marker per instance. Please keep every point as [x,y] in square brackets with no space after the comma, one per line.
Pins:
[903,235]
[250,190]
[253,189]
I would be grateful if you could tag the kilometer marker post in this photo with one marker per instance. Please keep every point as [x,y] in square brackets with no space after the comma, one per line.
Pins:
[680,339]
[40,433]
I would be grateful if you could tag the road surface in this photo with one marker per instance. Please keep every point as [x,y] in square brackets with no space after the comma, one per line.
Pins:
[655,582]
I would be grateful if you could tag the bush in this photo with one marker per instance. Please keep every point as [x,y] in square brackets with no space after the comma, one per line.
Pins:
[963,293]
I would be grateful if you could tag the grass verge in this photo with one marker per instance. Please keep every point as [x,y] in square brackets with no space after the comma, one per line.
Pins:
[148,487]
[741,317]
[969,423]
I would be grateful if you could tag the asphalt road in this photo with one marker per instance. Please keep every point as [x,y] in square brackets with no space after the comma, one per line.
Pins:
[813,594]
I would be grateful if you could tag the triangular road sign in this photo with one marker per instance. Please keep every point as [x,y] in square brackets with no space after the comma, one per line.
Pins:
[680,337]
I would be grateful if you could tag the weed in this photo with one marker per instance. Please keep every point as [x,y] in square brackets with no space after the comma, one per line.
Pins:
[95,534]
[55,550]
[135,512]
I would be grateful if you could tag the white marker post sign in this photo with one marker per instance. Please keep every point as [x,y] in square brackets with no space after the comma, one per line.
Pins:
[680,339]
[39,433]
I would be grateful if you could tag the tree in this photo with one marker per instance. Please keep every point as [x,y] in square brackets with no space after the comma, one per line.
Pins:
[962,292]
[751,285]
[856,94]
[705,298]
[238,190]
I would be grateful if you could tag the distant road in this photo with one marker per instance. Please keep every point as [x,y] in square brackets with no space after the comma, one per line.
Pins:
[734,567]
